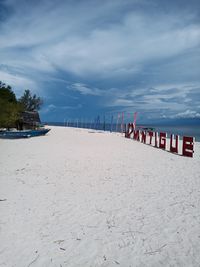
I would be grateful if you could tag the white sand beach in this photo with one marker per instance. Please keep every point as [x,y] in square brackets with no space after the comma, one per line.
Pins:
[82,198]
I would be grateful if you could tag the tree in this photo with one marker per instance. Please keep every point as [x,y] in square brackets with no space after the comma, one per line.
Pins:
[29,102]
[6,93]
[9,107]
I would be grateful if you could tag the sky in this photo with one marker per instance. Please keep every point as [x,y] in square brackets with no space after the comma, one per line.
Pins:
[104,57]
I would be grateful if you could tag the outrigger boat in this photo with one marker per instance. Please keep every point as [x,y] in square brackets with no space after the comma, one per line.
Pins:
[23,133]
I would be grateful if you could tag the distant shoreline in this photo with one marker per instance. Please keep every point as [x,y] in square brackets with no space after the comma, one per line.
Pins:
[182,130]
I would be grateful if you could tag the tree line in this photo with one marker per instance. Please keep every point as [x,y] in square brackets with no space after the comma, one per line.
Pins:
[11,108]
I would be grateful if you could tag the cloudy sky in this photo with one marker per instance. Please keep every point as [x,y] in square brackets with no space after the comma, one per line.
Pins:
[90,57]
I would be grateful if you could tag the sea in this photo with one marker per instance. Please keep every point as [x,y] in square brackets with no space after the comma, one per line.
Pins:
[181,130]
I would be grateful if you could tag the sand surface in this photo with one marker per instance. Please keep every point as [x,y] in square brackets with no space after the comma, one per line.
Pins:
[81,198]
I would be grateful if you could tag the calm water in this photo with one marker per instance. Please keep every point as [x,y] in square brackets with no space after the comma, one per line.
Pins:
[185,130]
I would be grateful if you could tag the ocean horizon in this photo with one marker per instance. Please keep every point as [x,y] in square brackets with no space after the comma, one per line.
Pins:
[181,130]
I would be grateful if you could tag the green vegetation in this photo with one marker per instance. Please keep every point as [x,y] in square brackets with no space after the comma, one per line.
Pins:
[29,102]
[11,108]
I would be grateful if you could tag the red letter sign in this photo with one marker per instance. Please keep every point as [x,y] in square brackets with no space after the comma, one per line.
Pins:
[129,130]
[188,146]
[136,135]
[162,141]
[174,149]
[143,140]
[156,141]
[150,135]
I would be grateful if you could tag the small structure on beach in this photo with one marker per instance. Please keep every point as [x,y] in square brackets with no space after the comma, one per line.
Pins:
[29,120]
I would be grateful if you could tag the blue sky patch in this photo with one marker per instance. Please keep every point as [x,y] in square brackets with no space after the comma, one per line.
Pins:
[104,57]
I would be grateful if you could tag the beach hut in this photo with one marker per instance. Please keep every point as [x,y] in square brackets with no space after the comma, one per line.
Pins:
[29,120]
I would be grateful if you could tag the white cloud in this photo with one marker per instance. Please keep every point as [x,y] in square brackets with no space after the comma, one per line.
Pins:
[123,102]
[94,39]
[169,100]
[111,48]
[52,108]
[190,114]
[122,49]
[48,108]
[19,83]
[84,89]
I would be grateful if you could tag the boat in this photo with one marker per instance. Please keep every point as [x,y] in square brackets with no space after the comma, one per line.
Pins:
[147,128]
[23,133]
[144,128]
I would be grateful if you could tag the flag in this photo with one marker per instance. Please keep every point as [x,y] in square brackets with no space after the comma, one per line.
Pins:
[118,117]
[111,124]
[134,120]
[122,123]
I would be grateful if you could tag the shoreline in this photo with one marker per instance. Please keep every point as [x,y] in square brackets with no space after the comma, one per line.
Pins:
[181,130]
[148,141]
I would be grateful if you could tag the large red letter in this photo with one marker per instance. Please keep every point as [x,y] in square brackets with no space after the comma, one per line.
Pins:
[162,141]
[143,140]
[150,135]
[129,130]
[156,141]
[136,135]
[174,149]
[188,145]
